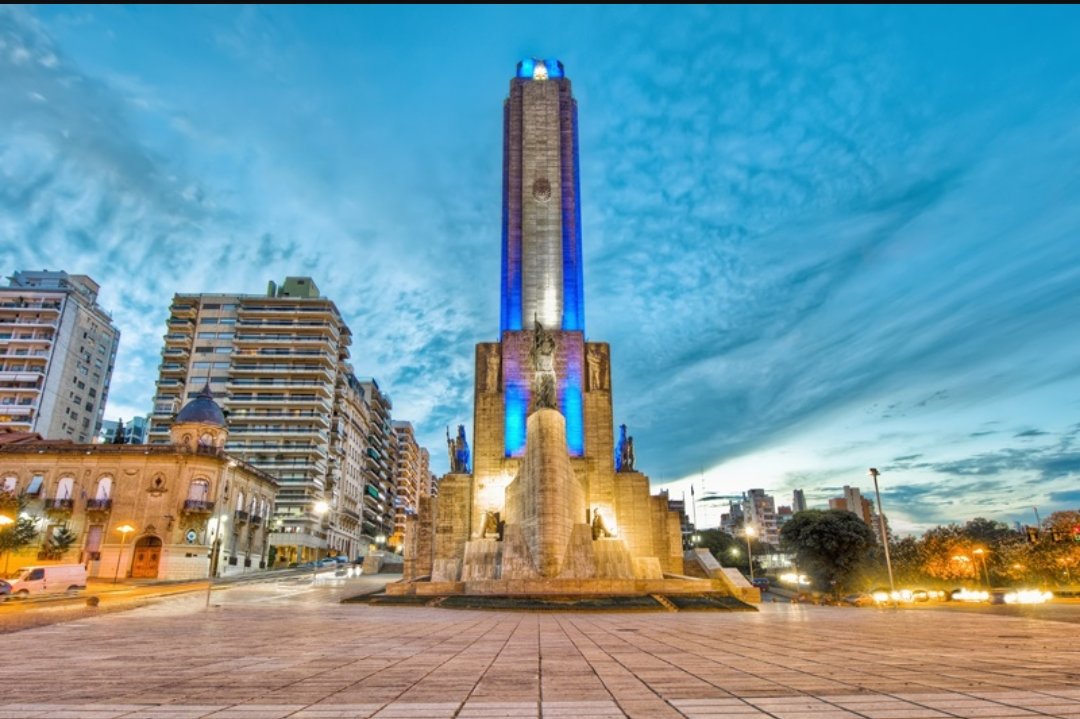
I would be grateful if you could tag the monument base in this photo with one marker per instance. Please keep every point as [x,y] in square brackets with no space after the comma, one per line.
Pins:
[666,586]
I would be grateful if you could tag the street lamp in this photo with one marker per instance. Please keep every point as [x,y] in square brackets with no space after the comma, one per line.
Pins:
[981,554]
[124,530]
[749,552]
[884,537]
[4,522]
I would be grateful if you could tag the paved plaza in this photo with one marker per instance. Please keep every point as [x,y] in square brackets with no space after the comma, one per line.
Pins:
[294,652]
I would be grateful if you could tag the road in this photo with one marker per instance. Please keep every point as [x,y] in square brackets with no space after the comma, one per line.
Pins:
[296,586]
[1057,610]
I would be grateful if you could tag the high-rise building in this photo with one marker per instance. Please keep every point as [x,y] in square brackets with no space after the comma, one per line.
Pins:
[411,476]
[379,465]
[798,501]
[277,364]
[853,501]
[57,350]
[756,509]
[135,430]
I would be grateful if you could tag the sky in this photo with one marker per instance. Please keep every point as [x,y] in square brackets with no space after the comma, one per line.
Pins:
[818,240]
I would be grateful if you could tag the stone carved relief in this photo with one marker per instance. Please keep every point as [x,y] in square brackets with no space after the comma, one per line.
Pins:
[542,359]
[595,359]
[491,372]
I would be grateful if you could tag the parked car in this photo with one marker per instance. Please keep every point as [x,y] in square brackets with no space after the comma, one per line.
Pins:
[46,579]
[861,599]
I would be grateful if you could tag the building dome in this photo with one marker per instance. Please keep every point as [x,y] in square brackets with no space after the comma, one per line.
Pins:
[201,410]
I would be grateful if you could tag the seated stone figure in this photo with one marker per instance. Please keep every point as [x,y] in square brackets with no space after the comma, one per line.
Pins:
[599,529]
[492,524]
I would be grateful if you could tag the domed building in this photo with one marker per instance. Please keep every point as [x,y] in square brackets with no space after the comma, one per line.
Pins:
[176,511]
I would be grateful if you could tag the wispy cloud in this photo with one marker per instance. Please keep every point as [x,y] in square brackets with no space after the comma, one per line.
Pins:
[815,237]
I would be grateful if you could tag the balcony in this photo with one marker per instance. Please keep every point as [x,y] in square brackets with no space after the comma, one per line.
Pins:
[99,505]
[256,520]
[198,506]
[57,504]
[241,515]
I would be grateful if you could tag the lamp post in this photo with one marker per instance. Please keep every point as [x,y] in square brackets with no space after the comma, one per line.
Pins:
[749,531]
[4,522]
[124,530]
[884,537]
[320,509]
[981,554]
[221,508]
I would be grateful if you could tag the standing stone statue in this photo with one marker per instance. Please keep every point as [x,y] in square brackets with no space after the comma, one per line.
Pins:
[595,359]
[462,450]
[542,359]
[450,451]
[458,449]
[620,449]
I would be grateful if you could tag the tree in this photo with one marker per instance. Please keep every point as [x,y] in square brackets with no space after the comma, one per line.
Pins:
[1056,558]
[60,541]
[15,536]
[729,551]
[118,435]
[832,546]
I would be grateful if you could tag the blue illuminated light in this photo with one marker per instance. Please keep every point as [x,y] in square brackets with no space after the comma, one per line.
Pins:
[517,401]
[537,69]
[575,426]
[573,279]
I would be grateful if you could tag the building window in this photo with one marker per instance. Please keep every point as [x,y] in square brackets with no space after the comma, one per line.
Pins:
[9,483]
[34,489]
[104,488]
[65,488]
[199,491]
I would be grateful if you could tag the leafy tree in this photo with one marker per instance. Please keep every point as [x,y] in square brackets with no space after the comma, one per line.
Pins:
[15,536]
[1056,558]
[832,546]
[729,551]
[60,541]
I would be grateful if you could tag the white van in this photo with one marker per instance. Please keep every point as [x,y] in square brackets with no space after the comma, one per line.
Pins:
[46,579]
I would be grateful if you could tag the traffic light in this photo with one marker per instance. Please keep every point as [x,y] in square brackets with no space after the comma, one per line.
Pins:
[1076,533]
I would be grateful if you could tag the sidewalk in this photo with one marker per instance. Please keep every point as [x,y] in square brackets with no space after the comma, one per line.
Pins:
[310,660]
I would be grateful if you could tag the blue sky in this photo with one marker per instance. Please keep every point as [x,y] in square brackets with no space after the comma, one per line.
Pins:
[818,240]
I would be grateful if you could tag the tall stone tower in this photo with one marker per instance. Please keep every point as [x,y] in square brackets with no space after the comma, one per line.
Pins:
[541,503]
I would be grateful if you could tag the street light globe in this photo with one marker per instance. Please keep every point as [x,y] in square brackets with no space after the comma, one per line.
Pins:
[751,532]
[321,507]
[5,520]
[125,528]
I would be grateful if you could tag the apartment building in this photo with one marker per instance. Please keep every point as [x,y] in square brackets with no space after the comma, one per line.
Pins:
[135,430]
[379,492]
[277,364]
[57,351]
[412,477]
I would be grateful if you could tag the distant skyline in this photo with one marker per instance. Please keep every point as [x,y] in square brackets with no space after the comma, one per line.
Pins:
[817,239]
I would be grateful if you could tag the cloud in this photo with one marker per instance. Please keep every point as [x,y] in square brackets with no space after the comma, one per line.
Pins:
[829,226]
